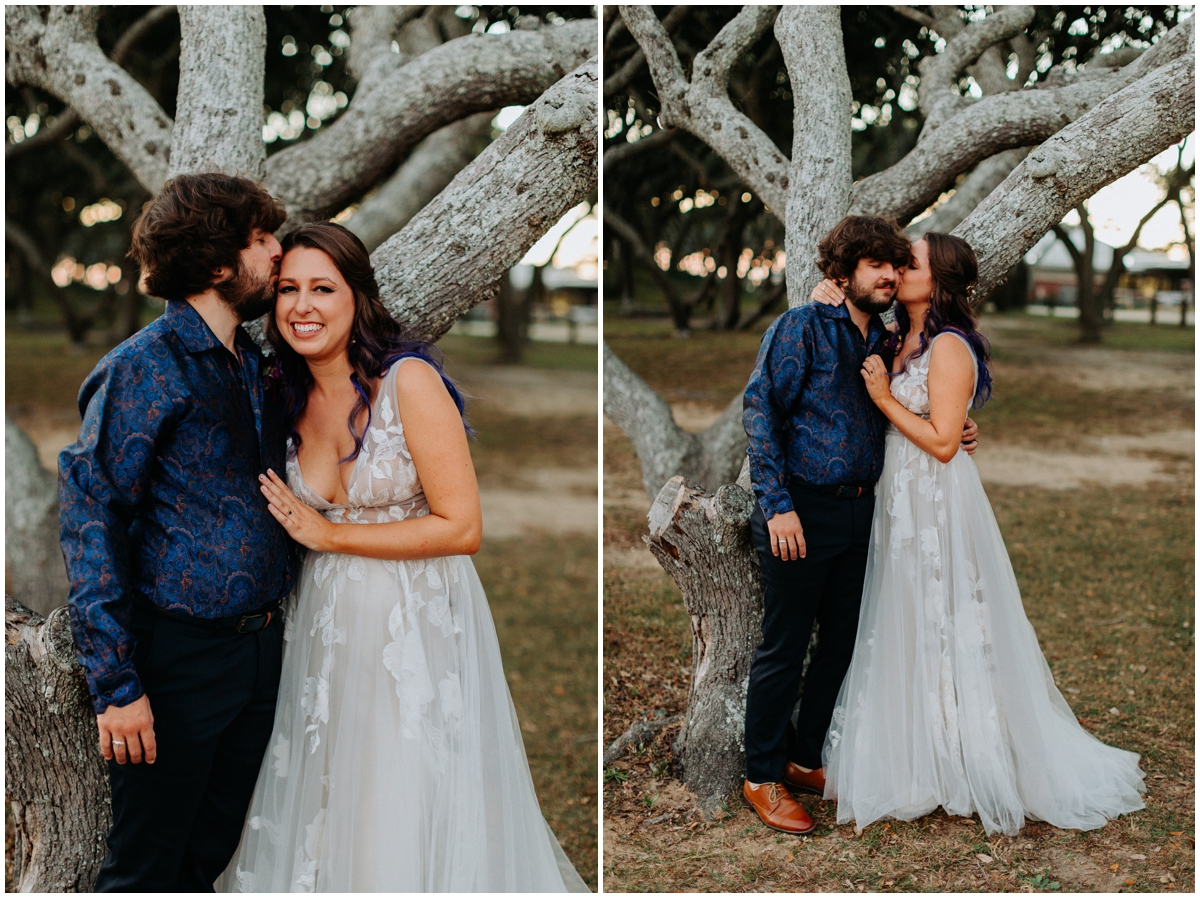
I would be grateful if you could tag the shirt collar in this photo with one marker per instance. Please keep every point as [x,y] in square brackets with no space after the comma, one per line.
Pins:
[195,333]
[874,325]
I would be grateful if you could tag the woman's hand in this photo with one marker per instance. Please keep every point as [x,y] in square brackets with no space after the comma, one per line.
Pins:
[828,293]
[303,524]
[875,373]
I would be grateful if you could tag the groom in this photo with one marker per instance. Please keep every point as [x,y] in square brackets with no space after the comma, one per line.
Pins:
[816,451]
[176,565]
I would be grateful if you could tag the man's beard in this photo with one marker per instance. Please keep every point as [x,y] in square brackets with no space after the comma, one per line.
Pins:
[865,301]
[249,297]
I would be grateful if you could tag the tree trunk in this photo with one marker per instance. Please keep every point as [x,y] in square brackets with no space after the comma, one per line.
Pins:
[56,781]
[508,322]
[1091,313]
[703,542]
[33,561]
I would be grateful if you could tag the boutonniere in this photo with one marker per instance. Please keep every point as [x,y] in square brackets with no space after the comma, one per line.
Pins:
[272,372]
[894,342]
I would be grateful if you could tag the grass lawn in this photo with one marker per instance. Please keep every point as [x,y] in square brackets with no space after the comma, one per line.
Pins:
[1107,579]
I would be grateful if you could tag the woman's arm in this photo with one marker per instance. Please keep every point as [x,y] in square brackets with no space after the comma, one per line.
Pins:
[437,440]
[951,381]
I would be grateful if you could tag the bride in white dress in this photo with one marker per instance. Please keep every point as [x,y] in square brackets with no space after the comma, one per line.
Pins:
[396,763]
[948,700]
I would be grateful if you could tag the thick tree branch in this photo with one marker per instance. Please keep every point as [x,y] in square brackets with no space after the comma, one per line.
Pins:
[626,150]
[994,124]
[617,81]
[431,166]
[452,253]
[712,65]
[663,447]
[986,177]
[137,31]
[939,73]
[471,74]
[914,15]
[220,104]
[68,120]
[811,40]
[59,55]
[703,107]
[1130,127]
[372,30]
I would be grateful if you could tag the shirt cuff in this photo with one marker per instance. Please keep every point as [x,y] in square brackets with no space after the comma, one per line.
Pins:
[116,689]
[775,502]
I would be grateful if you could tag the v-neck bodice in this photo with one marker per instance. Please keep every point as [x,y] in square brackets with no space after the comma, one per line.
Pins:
[384,485]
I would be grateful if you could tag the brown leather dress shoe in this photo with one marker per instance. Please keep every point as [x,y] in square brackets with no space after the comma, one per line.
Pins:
[799,781]
[777,808]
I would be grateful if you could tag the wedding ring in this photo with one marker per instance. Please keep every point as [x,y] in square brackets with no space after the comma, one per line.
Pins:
[782,542]
[289,512]
[117,742]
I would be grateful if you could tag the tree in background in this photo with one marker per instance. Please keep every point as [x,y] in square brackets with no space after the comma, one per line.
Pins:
[1019,140]
[416,73]
[1093,300]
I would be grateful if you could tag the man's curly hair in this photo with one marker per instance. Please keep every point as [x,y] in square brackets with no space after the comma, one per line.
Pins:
[197,224]
[862,237]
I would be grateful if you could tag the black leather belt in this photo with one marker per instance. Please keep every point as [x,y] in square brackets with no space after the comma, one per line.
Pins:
[838,490]
[249,622]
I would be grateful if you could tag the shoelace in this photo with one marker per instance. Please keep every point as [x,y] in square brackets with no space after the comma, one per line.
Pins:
[773,793]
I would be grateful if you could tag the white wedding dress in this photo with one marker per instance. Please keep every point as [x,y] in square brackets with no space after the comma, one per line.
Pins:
[396,762]
[948,700]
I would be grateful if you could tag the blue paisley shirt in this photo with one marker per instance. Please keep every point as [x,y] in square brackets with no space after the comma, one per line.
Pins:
[160,499]
[806,408]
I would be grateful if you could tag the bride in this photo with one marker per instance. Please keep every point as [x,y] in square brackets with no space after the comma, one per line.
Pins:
[948,700]
[396,762]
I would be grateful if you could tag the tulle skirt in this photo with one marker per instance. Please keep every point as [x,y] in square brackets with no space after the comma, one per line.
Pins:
[948,701]
[396,763]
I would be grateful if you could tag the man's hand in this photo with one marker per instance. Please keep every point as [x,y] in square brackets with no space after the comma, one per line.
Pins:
[787,536]
[127,733]
[970,437]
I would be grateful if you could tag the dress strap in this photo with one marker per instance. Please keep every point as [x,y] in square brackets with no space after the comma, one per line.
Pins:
[963,337]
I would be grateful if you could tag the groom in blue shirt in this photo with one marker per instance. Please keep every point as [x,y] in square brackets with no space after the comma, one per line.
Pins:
[816,451]
[176,566]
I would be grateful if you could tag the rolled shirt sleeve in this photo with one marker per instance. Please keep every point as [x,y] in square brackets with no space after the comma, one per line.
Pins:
[102,479]
[779,376]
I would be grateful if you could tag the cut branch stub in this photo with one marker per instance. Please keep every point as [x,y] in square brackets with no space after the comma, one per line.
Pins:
[56,781]
[703,542]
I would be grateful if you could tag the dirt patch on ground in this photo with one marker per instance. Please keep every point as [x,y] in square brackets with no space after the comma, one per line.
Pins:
[530,392]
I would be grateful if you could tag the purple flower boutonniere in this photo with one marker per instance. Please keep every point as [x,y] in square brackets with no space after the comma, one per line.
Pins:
[894,342]
[272,372]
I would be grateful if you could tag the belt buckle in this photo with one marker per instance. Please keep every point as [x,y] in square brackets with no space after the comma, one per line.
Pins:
[245,618]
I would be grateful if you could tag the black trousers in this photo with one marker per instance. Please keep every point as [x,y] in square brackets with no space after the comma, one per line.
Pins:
[176,823]
[826,587]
